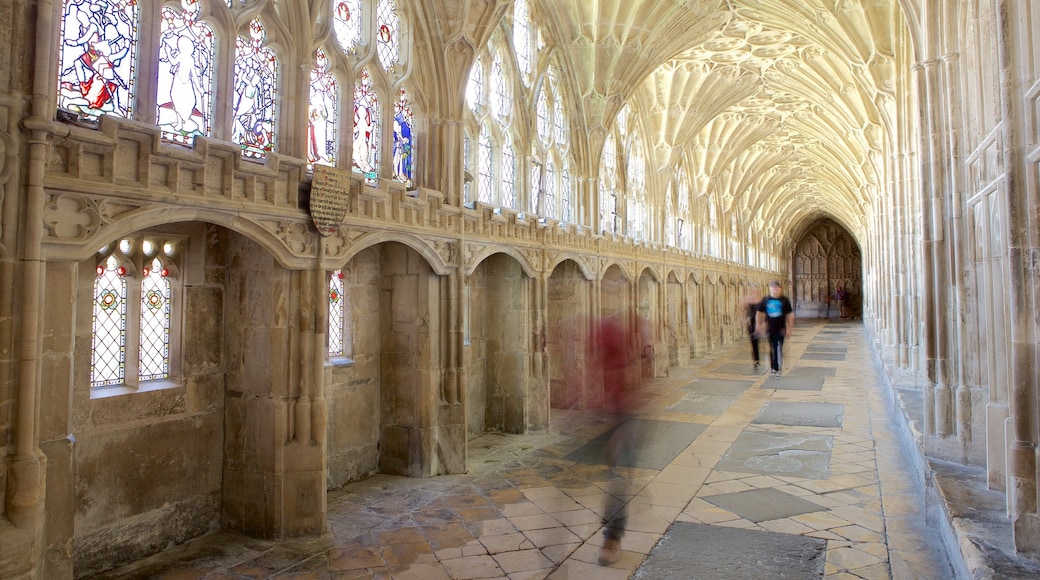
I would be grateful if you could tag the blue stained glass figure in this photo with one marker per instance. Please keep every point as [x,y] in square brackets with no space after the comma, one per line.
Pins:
[256,87]
[98,50]
[185,78]
[323,117]
[403,140]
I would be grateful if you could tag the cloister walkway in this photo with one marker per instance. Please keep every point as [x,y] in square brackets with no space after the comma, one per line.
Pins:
[739,475]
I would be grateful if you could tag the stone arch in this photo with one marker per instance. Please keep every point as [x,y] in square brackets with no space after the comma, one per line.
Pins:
[825,258]
[498,329]
[568,311]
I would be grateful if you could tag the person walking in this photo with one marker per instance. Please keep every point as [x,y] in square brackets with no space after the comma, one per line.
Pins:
[775,318]
[750,314]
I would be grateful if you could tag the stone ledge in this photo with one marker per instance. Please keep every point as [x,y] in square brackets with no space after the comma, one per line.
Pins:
[972,519]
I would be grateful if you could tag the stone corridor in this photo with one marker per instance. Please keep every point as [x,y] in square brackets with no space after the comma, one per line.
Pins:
[740,475]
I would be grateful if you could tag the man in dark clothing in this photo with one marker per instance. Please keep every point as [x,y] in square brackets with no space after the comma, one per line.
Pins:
[751,302]
[776,319]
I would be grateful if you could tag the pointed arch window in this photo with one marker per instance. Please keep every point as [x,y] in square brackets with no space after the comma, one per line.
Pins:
[404,140]
[635,188]
[366,128]
[323,114]
[346,23]
[388,35]
[256,93]
[99,42]
[156,292]
[108,345]
[184,104]
[467,167]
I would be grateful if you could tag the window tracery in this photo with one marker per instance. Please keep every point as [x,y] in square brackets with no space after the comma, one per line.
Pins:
[346,23]
[388,41]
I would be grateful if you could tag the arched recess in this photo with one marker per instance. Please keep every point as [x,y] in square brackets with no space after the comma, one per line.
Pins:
[825,258]
[648,309]
[498,363]
[568,310]
[676,330]
[695,316]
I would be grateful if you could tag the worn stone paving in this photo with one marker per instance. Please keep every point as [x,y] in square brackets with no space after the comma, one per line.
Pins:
[727,492]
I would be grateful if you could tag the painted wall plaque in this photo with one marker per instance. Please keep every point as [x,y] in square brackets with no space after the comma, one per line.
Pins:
[330,198]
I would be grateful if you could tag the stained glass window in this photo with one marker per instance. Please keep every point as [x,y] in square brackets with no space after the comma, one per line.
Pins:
[508,176]
[155,322]
[256,93]
[98,54]
[388,34]
[522,35]
[336,310]
[346,23]
[366,128]
[404,144]
[108,347]
[323,114]
[485,177]
[185,75]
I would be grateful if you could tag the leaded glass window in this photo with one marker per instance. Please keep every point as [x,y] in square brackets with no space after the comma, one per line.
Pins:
[566,201]
[522,39]
[388,41]
[366,128]
[404,144]
[98,57]
[475,87]
[346,22]
[536,184]
[467,157]
[508,176]
[184,104]
[108,346]
[635,172]
[544,116]
[336,314]
[155,322]
[549,190]
[607,190]
[323,115]
[256,93]
[501,103]
[485,165]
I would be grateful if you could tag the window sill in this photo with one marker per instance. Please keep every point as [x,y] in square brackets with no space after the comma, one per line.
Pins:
[340,362]
[119,390]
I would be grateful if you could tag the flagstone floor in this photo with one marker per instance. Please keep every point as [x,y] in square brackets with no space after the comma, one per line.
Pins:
[739,475]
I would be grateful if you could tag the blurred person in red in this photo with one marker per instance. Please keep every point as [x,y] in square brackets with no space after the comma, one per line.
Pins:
[618,343]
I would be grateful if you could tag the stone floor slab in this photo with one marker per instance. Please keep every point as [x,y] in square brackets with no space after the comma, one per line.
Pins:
[759,505]
[721,387]
[784,454]
[660,443]
[823,356]
[801,414]
[691,550]
[794,383]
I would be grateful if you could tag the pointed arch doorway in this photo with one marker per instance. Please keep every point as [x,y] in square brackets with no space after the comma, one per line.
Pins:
[826,258]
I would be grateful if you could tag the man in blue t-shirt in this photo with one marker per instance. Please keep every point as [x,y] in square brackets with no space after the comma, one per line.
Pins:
[776,319]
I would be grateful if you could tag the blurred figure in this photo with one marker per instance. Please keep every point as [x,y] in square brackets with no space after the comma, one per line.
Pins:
[776,320]
[750,322]
[618,342]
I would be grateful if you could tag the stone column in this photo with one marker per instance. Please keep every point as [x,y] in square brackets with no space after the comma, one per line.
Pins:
[1023,255]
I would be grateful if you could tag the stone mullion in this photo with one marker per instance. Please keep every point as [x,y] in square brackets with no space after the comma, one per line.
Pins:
[1022,257]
